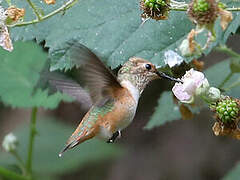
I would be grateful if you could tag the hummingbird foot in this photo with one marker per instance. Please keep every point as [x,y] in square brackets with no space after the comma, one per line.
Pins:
[114,137]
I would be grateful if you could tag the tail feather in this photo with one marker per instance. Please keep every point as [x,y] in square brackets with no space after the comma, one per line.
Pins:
[72,142]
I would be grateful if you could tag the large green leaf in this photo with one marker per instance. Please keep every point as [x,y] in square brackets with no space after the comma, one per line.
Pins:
[51,138]
[167,111]
[233,174]
[112,29]
[19,73]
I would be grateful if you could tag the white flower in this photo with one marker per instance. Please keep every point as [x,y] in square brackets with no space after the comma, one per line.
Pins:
[10,142]
[172,58]
[194,84]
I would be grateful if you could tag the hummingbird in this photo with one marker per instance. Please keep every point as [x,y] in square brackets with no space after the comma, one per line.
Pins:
[115,97]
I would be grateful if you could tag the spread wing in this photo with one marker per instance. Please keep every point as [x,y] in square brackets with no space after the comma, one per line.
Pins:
[99,79]
[56,81]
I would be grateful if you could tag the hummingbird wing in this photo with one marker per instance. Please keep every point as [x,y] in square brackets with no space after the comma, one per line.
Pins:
[99,79]
[56,81]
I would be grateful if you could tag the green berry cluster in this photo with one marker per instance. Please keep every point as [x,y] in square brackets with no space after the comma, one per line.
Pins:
[200,6]
[222,5]
[227,110]
[155,4]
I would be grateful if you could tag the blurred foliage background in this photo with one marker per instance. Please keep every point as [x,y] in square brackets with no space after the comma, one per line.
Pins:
[153,146]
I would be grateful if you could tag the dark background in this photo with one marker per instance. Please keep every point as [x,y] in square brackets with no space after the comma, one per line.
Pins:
[180,150]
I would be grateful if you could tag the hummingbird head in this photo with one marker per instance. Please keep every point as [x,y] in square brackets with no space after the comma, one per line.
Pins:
[140,72]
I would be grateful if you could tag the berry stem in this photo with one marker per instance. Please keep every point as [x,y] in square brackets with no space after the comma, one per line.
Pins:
[64,7]
[34,9]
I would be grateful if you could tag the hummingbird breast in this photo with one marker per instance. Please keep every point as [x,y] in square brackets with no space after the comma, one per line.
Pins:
[121,115]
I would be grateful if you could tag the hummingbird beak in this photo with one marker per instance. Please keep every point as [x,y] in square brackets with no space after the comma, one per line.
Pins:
[163,75]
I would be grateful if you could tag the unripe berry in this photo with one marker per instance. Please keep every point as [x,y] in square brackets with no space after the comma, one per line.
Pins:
[203,12]
[227,110]
[155,9]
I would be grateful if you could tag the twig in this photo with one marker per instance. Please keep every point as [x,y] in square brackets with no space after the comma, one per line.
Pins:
[233,9]
[34,9]
[64,7]
[31,140]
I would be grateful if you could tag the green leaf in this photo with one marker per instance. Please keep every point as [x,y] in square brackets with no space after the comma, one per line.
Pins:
[19,73]
[166,111]
[51,138]
[113,30]
[233,174]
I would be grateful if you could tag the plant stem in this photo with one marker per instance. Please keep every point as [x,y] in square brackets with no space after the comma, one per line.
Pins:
[64,7]
[235,84]
[11,175]
[31,140]
[225,80]
[34,9]
[20,161]
[228,51]
[178,9]
[233,9]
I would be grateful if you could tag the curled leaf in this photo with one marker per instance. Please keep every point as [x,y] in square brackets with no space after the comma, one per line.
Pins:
[50,1]
[221,130]
[5,40]
[226,18]
[191,41]
[185,112]
[15,13]
[198,65]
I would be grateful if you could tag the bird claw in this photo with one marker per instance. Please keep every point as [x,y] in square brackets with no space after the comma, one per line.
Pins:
[114,137]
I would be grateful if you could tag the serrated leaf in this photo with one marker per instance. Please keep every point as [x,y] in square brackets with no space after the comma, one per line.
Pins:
[51,137]
[166,111]
[112,29]
[233,174]
[19,73]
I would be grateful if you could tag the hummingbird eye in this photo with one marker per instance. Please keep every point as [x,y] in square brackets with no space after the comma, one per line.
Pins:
[148,66]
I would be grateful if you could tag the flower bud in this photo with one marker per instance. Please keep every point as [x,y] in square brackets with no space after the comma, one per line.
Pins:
[10,142]
[213,94]
[172,58]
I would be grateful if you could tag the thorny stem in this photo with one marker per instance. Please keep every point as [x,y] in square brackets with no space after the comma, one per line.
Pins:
[11,175]
[33,132]
[64,7]
[34,9]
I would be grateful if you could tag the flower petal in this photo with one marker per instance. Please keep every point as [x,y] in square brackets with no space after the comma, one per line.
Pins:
[178,91]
